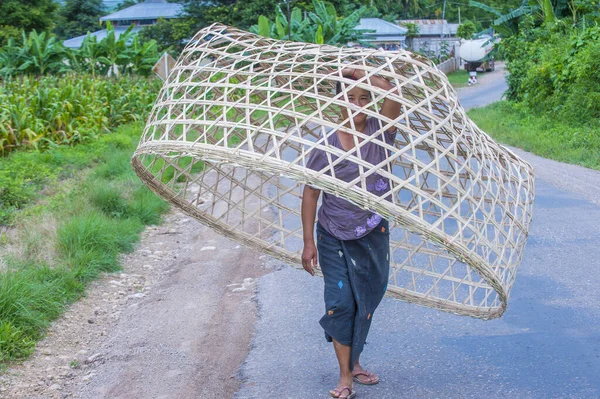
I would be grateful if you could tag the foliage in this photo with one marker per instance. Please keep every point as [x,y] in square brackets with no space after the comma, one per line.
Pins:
[413,29]
[77,17]
[40,113]
[554,70]
[243,14]
[89,237]
[506,23]
[126,4]
[169,34]
[543,134]
[320,26]
[41,54]
[7,32]
[28,14]
[466,30]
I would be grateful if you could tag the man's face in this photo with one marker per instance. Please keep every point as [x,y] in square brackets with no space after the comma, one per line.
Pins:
[358,98]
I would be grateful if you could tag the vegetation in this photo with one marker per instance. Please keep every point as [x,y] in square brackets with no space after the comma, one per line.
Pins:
[25,14]
[73,236]
[169,34]
[542,134]
[554,88]
[51,111]
[320,26]
[466,30]
[41,54]
[77,17]
[458,78]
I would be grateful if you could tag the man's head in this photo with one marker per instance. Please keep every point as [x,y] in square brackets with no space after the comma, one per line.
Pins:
[357,97]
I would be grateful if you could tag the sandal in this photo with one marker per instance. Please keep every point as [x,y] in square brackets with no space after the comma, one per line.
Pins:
[337,393]
[372,379]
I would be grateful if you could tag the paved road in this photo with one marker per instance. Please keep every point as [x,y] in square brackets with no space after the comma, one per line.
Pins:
[547,345]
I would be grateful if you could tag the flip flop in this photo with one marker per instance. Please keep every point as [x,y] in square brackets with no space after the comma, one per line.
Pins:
[367,374]
[337,393]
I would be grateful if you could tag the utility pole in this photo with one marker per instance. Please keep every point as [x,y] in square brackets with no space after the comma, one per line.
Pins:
[459,16]
[289,17]
[443,18]
[289,20]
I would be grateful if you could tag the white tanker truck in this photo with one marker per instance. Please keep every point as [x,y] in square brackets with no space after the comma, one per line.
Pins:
[477,56]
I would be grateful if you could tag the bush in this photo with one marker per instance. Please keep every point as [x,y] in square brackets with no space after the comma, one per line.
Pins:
[553,69]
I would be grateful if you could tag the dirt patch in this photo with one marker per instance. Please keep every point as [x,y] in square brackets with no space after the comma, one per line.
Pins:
[176,323]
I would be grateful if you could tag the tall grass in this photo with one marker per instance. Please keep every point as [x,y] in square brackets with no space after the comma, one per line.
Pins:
[97,219]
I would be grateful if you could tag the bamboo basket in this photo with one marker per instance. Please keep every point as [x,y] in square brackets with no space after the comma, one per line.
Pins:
[229,136]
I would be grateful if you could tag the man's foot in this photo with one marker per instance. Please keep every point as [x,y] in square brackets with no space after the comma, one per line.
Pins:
[363,376]
[342,393]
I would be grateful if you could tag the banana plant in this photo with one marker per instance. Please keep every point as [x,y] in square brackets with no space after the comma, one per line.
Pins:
[9,59]
[321,26]
[89,54]
[142,56]
[115,50]
[41,53]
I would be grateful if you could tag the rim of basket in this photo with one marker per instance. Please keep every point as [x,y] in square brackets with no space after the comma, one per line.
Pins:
[392,291]
[404,219]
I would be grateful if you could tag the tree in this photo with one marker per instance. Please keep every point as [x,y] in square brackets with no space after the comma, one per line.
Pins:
[243,14]
[28,14]
[77,17]
[466,30]
[411,33]
[170,34]
[127,4]
[7,32]
[409,5]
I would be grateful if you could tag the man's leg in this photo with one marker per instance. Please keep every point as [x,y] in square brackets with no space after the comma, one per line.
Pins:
[343,356]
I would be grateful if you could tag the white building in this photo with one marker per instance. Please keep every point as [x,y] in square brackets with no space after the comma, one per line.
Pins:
[385,35]
[434,35]
[139,15]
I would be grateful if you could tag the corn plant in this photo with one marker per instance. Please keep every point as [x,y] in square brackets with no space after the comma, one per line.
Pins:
[48,111]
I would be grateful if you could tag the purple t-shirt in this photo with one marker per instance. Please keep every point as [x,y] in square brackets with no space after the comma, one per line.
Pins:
[340,218]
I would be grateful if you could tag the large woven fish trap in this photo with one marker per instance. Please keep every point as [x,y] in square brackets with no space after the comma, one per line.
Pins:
[234,125]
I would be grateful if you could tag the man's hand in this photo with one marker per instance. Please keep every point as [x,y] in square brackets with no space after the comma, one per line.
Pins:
[353,73]
[309,257]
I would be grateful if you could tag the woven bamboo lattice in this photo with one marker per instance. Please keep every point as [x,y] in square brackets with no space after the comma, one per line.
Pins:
[229,136]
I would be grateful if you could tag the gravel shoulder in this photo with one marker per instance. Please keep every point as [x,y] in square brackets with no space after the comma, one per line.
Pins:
[176,323]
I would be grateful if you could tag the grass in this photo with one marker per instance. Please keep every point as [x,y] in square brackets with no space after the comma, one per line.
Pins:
[458,78]
[563,141]
[81,229]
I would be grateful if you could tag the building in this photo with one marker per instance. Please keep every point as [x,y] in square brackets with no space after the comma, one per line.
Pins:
[139,15]
[434,36]
[384,34]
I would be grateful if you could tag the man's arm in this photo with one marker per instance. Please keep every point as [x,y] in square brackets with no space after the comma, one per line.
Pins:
[310,197]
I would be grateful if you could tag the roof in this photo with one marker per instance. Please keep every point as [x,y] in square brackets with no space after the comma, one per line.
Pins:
[432,27]
[76,42]
[381,27]
[149,9]
[385,39]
